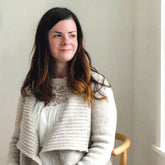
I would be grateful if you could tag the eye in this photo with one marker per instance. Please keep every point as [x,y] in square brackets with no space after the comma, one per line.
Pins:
[57,36]
[72,35]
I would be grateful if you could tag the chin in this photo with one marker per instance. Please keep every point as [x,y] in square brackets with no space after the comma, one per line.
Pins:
[68,58]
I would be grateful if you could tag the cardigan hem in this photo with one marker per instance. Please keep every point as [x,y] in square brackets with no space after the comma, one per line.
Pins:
[33,157]
[64,148]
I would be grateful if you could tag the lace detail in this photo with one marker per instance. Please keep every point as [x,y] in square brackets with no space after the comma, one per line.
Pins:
[61,95]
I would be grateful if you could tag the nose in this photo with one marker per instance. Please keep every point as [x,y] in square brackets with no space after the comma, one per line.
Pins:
[66,40]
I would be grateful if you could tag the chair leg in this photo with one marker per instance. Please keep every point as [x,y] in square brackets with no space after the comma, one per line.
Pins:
[123,159]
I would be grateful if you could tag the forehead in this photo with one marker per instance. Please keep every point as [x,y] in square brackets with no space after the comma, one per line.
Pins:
[66,25]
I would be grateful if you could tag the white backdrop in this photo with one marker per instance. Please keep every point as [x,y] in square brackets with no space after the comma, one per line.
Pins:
[108,30]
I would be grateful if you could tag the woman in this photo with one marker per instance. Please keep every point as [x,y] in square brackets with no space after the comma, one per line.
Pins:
[66,113]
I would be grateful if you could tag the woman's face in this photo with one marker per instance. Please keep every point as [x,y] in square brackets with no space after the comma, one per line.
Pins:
[63,42]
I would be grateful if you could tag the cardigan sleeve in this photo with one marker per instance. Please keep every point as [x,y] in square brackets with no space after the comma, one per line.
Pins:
[13,154]
[103,128]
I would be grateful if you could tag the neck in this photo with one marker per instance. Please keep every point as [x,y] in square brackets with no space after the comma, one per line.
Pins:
[59,70]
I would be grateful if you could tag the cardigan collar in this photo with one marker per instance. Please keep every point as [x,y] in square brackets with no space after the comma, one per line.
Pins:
[71,132]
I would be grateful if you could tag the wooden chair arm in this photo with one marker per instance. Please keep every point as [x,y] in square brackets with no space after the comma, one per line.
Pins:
[123,147]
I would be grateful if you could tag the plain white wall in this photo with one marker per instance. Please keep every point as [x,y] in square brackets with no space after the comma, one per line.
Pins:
[147,81]
[108,30]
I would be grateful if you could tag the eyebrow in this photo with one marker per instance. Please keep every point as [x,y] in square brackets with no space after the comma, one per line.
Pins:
[61,32]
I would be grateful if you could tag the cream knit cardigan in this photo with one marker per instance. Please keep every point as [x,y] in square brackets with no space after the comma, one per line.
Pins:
[88,130]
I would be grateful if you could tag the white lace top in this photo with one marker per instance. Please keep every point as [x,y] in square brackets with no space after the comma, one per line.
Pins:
[46,117]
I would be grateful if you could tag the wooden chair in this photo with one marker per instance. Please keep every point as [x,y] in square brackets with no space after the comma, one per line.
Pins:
[122,149]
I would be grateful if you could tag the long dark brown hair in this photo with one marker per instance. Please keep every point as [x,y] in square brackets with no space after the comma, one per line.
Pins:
[79,78]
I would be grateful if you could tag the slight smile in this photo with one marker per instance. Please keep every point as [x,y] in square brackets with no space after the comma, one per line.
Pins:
[65,50]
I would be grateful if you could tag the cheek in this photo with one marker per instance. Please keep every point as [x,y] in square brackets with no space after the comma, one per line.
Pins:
[53,45]
[76,45]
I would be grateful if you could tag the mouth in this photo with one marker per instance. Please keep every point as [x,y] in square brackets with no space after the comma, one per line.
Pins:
[65,50]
